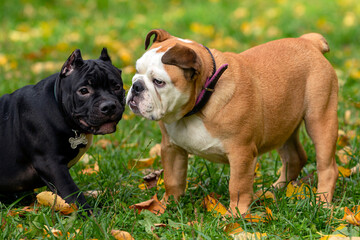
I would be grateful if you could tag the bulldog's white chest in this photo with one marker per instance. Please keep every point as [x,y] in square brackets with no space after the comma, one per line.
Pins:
[191,134]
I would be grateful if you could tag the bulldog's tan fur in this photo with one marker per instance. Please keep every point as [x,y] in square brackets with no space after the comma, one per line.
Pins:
[258,105]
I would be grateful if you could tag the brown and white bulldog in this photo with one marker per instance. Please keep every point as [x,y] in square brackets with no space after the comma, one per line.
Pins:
[257,105]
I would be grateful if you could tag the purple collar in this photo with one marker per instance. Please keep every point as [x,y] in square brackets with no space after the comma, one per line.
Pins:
[209,86]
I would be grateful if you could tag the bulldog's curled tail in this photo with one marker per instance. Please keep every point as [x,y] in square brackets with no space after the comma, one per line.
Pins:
[318,41]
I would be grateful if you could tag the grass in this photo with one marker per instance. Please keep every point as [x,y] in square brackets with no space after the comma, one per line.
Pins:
[37,37]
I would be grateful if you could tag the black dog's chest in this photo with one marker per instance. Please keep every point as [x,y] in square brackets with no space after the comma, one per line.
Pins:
[82,151]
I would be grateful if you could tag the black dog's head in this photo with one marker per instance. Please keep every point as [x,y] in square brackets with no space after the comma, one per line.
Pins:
[91,93]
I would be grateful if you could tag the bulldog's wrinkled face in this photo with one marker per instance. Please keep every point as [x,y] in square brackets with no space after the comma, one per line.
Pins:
[158,91]
[92,93]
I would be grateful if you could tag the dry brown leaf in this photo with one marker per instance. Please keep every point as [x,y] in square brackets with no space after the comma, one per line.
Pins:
[121,235]
[153,205]
[343,139]
[151,179]
[21,212]
[213,205]
[345,154]
[47,198]
[141,163]
[155,151]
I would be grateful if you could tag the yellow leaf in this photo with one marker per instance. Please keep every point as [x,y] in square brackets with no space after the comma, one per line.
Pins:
[248,236]
[121,235]
[233,228]
[352,217]
[213,205]
[47,198]
[298,192]
[140,163]
[103,143]
[344,172]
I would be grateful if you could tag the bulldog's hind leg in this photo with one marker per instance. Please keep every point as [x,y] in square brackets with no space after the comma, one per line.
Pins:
[322,126]
[293,159]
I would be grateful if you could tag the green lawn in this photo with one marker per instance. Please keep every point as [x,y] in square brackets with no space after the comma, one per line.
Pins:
[37,37]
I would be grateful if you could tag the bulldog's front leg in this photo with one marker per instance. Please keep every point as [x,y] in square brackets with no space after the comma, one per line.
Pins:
[57,177]
[174,161]
[242,166]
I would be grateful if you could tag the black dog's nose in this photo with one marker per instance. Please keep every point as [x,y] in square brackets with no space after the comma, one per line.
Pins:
[137,87]
[107,107]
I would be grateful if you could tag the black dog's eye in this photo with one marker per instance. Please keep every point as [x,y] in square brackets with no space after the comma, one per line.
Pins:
[83,91]
[158,82]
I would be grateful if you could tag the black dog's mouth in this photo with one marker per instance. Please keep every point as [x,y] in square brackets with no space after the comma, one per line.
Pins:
[99,129]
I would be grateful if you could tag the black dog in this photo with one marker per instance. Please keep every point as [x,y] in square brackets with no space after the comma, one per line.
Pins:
[45,128]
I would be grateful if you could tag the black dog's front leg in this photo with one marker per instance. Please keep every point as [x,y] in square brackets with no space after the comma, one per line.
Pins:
[59,180]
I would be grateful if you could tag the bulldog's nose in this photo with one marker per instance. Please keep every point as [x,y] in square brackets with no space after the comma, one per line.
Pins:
[137,88]
[107,107]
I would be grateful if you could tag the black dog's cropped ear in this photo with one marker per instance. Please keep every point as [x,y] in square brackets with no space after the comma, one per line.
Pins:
[105,56]
[74,61]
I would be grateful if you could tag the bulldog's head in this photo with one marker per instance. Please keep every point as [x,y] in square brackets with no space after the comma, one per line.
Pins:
[166,83]
[91,93]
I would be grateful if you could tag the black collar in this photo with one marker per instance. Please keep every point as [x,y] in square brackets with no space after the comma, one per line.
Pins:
[209,86]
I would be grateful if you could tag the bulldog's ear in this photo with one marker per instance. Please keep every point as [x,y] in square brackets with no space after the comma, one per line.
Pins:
[183,57]
[160,35]
[105,56]
[74,61]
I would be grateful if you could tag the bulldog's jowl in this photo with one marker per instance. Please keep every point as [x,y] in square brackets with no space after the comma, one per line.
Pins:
[40,125]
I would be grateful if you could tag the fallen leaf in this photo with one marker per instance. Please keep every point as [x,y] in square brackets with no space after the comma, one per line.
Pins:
[345,154]
[248,236]
[21,212]
[103,143]
[344,172]
[300,192]
[151,179]
[233,228]
[47,198]
[343,139]
[121,235]
[352,216]
[153,205]
[54,231]
[93,193]
[92,169]
[213,205]
[355,169]
[155,151]
[141,163]
[264,195]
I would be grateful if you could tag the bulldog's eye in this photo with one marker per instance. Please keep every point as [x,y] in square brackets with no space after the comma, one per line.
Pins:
[159,83]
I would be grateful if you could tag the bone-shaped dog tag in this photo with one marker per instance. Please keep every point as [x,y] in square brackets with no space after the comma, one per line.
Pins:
[77,140]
